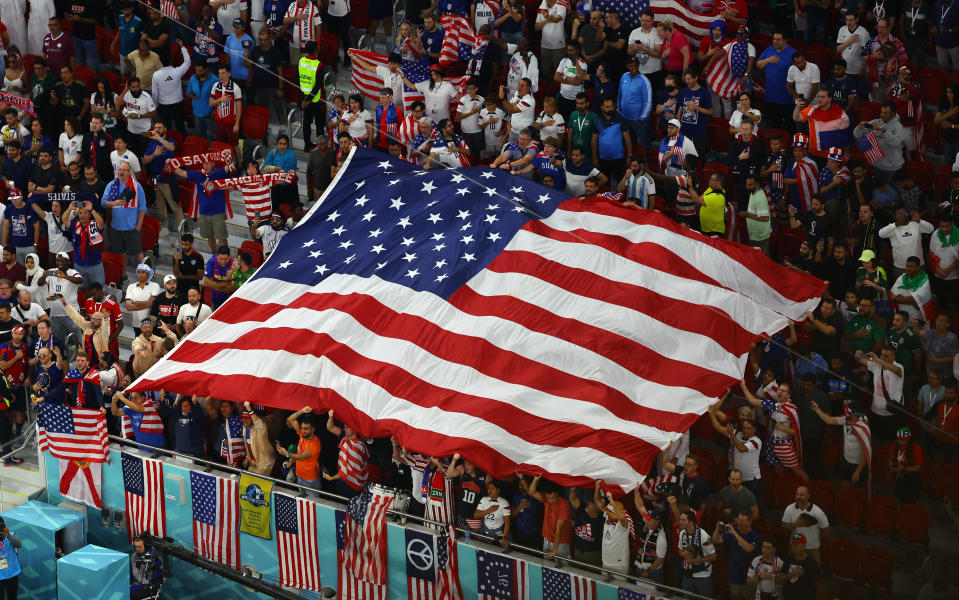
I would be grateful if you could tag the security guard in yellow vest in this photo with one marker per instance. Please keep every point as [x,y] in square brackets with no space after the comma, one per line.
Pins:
[712,206]
[311,87]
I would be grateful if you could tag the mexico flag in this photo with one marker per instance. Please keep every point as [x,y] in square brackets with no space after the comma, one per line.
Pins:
[919,290]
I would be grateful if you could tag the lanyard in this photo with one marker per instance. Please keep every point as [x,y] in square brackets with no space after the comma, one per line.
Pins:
[943,11]
[945,414]
[581,121]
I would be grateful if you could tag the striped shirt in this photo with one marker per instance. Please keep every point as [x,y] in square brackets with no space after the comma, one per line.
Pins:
[304,30]
[640,187]
[352,464]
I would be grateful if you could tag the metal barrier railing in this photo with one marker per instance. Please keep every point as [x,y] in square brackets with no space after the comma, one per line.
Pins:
[401,516]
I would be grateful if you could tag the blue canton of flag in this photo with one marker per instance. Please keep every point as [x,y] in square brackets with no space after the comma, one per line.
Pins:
[629,10]
[340,530]
[501,577]
[415,71]
[432,233]
[204,497]
[286,520]
[627,594]
[359,506]
[132,474]
[869,144]
[556,585]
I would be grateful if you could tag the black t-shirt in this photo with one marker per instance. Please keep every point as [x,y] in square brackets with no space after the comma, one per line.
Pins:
[841,278]
[86,9]
[43,177]
[154,31]
[74,184]
[6,329]
[616,58]
[70,97]
[270,60]
[694,488]
[828,345]
[805,585]
[166,308]
[191,264]
[414,8]
[97,188]
[587,530]
[819,226]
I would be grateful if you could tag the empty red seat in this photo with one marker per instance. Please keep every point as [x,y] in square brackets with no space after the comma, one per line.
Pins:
[912,524]
[946,480]
[850,507]
[876,568]
[150,233]
[112,268]
[784,490]
[866,111]
[194,144]
[932,82]
[922,173]
[881,515]
[823,494]
[845,558]
[255,122]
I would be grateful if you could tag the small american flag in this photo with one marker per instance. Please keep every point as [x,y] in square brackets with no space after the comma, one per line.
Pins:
[361,546]
[168,9]
[72,433]
[560,585]
[369,83]
[233,448]
[296,542]
[143,492]
[869,144]
[457,30]
[501,578]
[216,512]
[628,594]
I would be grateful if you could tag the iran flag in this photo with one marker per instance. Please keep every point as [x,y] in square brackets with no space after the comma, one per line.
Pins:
[919,290]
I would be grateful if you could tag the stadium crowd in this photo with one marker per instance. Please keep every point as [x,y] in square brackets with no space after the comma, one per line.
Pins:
[827,142]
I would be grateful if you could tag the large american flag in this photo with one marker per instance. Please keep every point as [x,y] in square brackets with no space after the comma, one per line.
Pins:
[457,30]
[361,546]
[500,577]
[216,513]
[143,492]
[368,83]
[72,433]
[296,542]
[472,311]
[694,24]
[869,144]
[431,566]
[560,585]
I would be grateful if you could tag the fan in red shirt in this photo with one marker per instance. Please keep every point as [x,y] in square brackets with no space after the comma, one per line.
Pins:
[97,302]
[14,363]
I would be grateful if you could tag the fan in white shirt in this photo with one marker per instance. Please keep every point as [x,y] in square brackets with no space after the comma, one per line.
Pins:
[122,154]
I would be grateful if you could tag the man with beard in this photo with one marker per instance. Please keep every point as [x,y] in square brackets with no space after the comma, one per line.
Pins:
[166,306]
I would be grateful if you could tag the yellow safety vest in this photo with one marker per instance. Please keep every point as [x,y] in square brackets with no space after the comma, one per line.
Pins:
[309,69]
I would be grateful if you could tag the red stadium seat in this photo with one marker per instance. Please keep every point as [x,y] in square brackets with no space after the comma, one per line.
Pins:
[328,47]
[823,494]
[881,515]
[255,122]
[821,56]
[28,60]
[932,83]
[912,524]
[218,146]
[359,14]
[255,249]
[922,173]
[718,137]
[194,144]
[177,137]
[946,481]
[845,555]
[850,506]
[108,52]
[112,268]
[784,490]
[150,234]
[288,79]
[866,111]
[876,568]
[112,78]
[880,464]
[86,76]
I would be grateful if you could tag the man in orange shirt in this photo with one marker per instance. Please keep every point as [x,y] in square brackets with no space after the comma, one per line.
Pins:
[307,450]
[557,532]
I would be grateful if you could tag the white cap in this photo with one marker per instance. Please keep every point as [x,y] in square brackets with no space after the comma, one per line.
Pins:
[674,122]
[169,278]
[63,255]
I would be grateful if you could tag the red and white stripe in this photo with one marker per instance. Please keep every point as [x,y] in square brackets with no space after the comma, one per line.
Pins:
[456,29]
[220,542]
[363,564]
[440,509]
[257,199]
[695,25]
[353,462]
[151,422]
[87,443]
[807,181]
[168,9]
[584,588]
[863,434]
[720,79]
[604,333]
[147,513]
[298,555]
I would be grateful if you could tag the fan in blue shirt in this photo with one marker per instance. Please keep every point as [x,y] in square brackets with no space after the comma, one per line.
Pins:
[238,46]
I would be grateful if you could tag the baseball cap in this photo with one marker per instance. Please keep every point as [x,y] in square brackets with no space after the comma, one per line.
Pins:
[798,538]
[238,22]
[169,278]
[631,60]
[867,255]
[14,193]
[439,69]
[905,68]
[63,255]
[743,29]
[674,122]
[651,515]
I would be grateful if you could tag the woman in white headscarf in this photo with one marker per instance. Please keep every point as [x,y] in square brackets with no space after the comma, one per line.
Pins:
[13,14]
[40,13]
[34,271]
